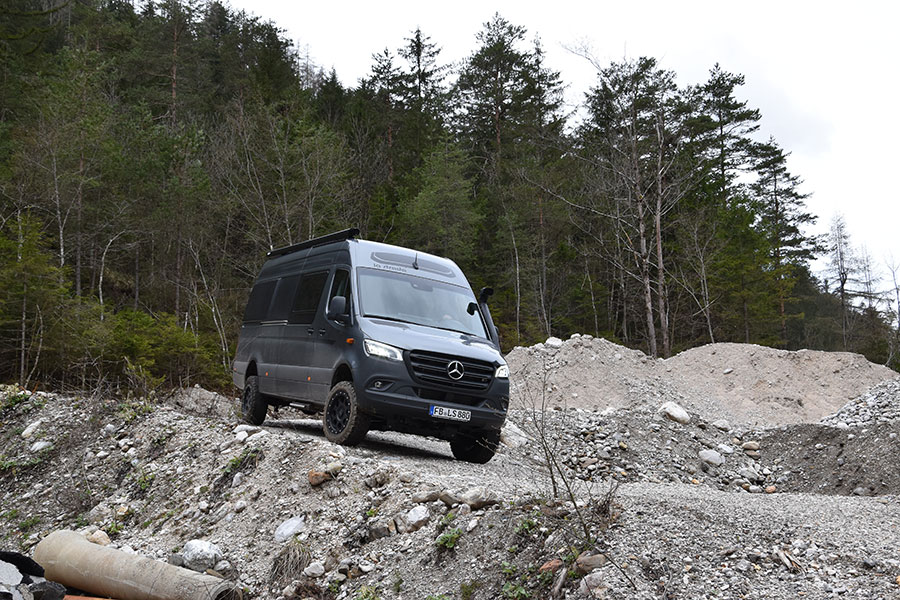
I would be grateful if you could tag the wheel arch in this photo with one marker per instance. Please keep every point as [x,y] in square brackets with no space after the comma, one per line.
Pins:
[342,373]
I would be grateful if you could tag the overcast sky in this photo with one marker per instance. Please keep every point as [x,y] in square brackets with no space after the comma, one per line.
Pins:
[823,74]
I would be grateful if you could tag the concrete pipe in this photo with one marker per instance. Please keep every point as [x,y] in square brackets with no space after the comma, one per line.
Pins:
[70,559]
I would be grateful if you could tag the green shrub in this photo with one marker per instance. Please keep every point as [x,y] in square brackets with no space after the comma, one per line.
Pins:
[449,538]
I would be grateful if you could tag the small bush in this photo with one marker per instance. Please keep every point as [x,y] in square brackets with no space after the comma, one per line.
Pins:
[449,538]
[515,591]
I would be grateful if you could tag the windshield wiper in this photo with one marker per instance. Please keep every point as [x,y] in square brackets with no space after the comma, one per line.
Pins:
[390,319]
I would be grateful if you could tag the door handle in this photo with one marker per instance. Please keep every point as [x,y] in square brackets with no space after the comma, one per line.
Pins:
[321,332]
[310,331]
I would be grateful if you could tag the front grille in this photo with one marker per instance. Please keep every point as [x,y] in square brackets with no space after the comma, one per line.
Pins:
[430,367]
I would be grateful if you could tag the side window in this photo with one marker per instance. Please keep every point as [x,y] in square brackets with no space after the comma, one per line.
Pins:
[340,286]
[260,298]
[284,295]
[306,302]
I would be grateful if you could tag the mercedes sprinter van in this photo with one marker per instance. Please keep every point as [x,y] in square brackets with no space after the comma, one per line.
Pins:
[375,337]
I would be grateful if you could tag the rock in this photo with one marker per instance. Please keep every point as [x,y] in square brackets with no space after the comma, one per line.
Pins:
[379,479]
[750,446]
[366,566]
[200,555]
[317,478]
[674,412]
[9,575]
[743,566]
[248,429]
[585,563]
[29,431]
[47,590]
[223,566]
[241,436]
[553,342]
[449,498]
[22,563]
[315,569]
[770,489]
[728,371]
[40,445]
[721,425]
[725,449]
[712,457]
[333,468]
[591,586]
[425,496]
[511,436]
[175,559]
[479,497]
[381,528]
[413,520]
[553,565]
[99,537]
[290,528]
[748,473]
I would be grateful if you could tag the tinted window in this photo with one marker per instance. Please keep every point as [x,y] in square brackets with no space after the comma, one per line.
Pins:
[306,302]
[341,286]
[284,295]
[258,304]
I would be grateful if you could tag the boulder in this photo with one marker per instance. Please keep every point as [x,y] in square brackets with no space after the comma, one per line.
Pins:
[200,555]
[673,411]
[413,520]
[290,528]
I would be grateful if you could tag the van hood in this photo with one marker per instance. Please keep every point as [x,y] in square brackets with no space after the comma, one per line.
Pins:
[409,336]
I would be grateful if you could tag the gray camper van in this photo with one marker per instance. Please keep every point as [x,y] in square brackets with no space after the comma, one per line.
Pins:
[375,337]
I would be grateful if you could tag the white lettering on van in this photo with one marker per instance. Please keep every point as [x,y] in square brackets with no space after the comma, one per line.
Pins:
[391,268]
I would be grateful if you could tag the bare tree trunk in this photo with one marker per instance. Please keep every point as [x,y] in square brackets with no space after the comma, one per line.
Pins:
[102,267]
[137,275]
[78,235]
[23,319]
[644,261]
[587,272]
[518,284]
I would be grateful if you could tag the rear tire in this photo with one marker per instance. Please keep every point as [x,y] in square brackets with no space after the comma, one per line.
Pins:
[342,420]
[253,405]
[477,449]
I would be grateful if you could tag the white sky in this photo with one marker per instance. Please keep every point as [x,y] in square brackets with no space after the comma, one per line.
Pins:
[825,75]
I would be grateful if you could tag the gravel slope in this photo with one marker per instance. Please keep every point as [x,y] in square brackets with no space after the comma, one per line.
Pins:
[706,508]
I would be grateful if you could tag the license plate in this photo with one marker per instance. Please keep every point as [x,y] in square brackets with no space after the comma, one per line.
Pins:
[453,414]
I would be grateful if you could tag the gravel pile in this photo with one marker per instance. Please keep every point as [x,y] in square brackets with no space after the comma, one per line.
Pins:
[880,404]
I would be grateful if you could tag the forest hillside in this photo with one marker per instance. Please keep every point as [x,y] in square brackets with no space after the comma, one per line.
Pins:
[152,153]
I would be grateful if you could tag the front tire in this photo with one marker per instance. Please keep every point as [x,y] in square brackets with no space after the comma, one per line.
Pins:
[253,405]
[342,420]
[477,449]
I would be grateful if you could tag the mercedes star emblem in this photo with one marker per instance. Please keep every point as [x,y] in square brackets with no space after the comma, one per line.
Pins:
[455,370]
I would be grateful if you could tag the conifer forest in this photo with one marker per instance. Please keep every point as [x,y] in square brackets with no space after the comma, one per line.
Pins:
[152,153]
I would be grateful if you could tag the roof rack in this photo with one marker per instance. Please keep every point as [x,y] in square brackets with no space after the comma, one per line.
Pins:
[337,236]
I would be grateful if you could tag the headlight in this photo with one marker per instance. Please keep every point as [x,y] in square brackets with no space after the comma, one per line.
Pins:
[380,350]
[502,372]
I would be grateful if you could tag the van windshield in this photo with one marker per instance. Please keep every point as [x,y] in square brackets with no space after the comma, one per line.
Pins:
[410,299]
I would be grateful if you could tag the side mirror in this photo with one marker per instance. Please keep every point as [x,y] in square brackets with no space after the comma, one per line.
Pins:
[337,309]
[471,308]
